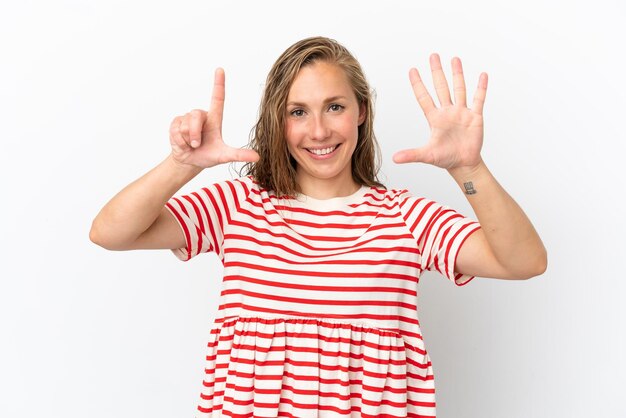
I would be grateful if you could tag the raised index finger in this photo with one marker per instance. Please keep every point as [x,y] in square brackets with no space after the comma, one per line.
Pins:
[420,91]
[216,109]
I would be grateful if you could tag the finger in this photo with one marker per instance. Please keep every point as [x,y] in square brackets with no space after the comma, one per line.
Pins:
[481,93]
[176,139]
[439,80]
[174,126]
[415,155]
[183,129]
[196,122]
[420,91]
[239,155]
[216,109]
[458,81]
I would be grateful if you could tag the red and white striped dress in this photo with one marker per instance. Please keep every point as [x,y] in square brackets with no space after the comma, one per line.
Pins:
[318,314]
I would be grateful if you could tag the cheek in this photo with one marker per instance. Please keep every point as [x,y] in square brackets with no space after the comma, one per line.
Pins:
[291,140]
[290,134]
[351,128]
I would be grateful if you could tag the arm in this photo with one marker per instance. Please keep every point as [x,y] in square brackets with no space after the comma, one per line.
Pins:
[507,246]
[136,217]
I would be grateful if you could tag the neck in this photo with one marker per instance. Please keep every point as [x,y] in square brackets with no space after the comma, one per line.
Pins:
[327,188]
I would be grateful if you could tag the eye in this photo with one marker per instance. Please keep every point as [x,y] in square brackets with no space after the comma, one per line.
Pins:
[335,107]
[297,113]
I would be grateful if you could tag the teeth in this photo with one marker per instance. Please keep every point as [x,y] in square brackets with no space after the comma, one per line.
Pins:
[323,151]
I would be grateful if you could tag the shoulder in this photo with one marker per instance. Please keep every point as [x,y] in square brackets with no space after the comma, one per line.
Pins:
[413,206]
[252,189]
[399,197]
[226,191]
[386,200]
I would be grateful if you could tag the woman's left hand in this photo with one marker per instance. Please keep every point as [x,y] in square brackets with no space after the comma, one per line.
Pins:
[456,130]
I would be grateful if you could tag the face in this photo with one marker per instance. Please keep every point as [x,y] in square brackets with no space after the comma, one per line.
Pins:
[321,129]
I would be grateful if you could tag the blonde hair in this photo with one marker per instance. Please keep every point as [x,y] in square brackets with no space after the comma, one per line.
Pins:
[276,169]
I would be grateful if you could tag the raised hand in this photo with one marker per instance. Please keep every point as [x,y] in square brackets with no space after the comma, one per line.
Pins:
[456,130]
[196,137]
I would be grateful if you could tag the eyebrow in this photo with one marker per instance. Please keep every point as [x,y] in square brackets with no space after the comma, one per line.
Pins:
[330,99]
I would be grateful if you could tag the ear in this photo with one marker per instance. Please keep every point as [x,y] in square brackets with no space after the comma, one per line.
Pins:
[362,114]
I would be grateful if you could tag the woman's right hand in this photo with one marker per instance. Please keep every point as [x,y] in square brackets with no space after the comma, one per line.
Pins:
[196,137]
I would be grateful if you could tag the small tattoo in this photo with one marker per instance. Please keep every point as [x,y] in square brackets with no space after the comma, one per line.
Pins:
[469,188]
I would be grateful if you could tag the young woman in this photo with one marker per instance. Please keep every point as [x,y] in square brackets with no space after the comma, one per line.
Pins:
[321,262]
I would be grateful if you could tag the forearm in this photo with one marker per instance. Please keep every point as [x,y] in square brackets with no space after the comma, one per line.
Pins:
[134,209]
[508,231]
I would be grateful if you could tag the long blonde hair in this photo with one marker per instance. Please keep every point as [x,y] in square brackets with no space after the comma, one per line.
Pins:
[276,169]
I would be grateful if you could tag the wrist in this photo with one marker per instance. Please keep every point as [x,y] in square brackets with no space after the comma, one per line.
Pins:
[467,172]
[471,179]
[182,170]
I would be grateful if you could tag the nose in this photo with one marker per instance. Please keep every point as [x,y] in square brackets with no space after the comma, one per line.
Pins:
[319,129]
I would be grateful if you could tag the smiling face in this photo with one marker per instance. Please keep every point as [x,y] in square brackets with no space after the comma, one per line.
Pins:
[321,130]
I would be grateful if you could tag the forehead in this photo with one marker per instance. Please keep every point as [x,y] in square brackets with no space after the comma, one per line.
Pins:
[319,81]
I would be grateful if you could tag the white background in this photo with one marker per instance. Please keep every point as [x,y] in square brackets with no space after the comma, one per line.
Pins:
[87,93]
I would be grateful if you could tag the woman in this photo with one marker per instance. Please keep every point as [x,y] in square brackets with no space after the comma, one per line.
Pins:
[321,262]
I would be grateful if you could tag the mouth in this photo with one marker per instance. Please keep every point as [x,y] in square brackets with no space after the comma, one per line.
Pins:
[320,152]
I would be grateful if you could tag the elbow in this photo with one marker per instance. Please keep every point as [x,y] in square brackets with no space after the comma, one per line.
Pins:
[100,239]
[96,237]
[541,265]
[537,268]
[93,234]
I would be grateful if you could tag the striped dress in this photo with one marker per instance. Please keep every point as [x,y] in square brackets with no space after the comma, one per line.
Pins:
[318,314]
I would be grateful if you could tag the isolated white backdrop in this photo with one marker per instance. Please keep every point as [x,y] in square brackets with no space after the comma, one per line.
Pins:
[87,92]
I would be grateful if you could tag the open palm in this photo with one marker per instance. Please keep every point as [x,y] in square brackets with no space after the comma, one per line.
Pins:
[456,130]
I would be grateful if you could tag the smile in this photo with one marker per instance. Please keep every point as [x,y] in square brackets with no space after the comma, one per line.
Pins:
[322,151]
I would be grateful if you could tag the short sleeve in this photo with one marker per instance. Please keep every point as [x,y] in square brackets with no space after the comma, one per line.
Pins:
[203,216]
[440,231]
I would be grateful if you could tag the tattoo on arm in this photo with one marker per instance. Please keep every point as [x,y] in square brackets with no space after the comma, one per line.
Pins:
[469,188]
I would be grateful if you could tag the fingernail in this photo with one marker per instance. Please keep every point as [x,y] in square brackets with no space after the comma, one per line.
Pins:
[194,143]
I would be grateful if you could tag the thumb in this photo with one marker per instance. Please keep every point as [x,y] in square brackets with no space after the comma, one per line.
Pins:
[414,155]
[241,155]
